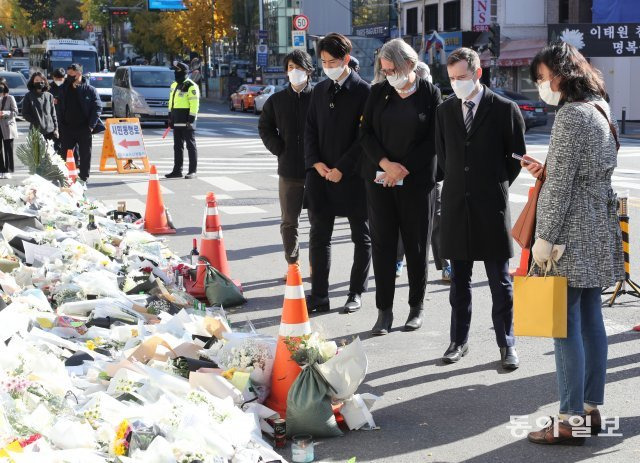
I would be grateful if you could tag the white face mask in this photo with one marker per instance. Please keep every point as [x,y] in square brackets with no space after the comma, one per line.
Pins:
[334,73]
[549,96]
[463,88]
[397,80]
[297,77]
[58,82]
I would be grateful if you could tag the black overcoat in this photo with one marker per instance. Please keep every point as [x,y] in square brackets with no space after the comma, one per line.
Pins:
[281,127]
[478,170]
[332,137]
[421,160]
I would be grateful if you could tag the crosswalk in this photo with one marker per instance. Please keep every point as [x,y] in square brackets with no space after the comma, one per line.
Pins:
[234,163]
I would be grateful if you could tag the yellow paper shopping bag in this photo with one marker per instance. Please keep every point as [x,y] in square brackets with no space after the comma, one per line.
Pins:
[540,306]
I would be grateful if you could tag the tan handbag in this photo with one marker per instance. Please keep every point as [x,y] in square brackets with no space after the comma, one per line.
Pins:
[522,231]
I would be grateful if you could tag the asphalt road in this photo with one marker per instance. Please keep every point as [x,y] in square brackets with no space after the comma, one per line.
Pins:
[428,411]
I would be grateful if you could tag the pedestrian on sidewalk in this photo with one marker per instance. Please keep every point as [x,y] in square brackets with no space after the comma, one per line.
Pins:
[477,131]
[38,108]
[577,210]
[80,108]
[281,129]
[399,169]
[184,103]
[334,187]
[55,88]
[8,129]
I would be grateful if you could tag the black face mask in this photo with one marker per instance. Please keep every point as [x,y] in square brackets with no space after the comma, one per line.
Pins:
[70,79]
[39,85]
[180,76]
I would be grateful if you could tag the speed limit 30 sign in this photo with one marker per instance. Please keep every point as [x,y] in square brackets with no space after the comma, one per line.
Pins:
[301,22]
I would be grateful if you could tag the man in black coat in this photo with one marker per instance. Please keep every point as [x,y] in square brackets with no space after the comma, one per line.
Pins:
[80,108]
[332,158]
[281,128]
[476,133]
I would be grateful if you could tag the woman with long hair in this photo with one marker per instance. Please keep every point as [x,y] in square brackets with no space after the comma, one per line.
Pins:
[8,128]
[576,219]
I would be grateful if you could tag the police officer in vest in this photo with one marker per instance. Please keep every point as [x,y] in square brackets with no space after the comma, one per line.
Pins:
[184,101]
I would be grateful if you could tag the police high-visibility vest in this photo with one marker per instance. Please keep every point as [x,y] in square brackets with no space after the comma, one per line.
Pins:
[184,101]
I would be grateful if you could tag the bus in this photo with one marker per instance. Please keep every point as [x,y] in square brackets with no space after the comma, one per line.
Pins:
[53,54]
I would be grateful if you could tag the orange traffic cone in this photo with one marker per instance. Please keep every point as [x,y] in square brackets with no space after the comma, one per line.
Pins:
[525,256]
[71,167]
[295,322]
[211,247]
[155,216]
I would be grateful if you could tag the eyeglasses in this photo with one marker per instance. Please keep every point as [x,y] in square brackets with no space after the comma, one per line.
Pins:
[388,72]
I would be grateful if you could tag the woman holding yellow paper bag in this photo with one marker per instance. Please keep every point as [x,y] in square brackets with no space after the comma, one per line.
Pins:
[577,209]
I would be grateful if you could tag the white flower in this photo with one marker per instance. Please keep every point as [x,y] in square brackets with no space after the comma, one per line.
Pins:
[328,350]
[573,37]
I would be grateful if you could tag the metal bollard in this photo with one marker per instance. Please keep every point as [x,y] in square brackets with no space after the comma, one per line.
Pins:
[623,125]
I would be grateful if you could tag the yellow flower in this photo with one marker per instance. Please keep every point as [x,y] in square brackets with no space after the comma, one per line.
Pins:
[134,333]
[119,449]
[90,345]
[98,341]
[229,373]
[121,432]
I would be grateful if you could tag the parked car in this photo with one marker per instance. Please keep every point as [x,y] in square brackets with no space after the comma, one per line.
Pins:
[243,98]
[25,72]
[142,92]
[103,83]
[263,96]
[17,86]
[533,112]
[4,54]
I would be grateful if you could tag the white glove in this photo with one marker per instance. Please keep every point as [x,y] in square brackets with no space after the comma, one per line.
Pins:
[545,253]
[541,251]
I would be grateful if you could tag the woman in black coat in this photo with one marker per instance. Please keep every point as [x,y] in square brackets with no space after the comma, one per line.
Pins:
[400,174]
[38,107]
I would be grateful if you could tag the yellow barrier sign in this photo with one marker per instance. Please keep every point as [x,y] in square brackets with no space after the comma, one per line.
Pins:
[124,143]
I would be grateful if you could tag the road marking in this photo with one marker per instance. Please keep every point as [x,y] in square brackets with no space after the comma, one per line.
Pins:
[225,160]
[220,197]
[133,204]
[142,188]
[632,186]
[516,198]
[259,152]
[237,210]
[242,131]
[227,184]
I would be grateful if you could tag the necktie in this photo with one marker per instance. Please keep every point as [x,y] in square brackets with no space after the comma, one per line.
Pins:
[336,87]
[468,119]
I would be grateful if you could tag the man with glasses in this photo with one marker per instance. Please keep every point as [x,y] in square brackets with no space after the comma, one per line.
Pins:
[333,185]
[476,134]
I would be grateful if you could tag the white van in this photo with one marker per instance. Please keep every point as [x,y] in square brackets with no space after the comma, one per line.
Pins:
[142,92]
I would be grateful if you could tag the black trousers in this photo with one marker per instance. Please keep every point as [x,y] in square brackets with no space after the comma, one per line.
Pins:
[182,135]
[291,192]
[501,295]
[406,211]
[320,254]
[80,136]
[6,156]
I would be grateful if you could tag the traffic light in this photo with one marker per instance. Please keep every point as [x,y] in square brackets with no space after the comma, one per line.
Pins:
[494,40]
[75,24]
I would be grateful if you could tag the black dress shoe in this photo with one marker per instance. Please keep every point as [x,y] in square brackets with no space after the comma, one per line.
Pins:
[509,357]
[316,305]
[455,352]
[173,175]
[353,303]
[190,175]
[414,321]
[383,324]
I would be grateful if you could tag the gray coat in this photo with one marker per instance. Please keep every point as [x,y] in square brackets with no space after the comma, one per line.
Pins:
[577,206]
[8,120]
